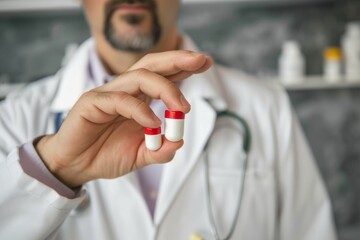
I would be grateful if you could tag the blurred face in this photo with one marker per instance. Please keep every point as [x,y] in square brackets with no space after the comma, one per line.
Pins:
[131,25]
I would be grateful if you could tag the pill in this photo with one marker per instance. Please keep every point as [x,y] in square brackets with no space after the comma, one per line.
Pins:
[152,138]
[174,125]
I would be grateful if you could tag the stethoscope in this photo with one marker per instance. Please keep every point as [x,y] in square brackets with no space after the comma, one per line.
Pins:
[246,145]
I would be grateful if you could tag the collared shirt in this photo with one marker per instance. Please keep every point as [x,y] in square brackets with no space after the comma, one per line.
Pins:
[97,73]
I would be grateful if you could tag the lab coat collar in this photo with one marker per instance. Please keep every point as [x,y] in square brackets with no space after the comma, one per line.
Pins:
[205,85]
[97,72]
[73,79]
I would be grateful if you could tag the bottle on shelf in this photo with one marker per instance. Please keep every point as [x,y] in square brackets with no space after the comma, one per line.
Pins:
[332,65]
[351,49]
[291,63]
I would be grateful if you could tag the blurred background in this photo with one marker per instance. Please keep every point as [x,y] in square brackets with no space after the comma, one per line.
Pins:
[37,37]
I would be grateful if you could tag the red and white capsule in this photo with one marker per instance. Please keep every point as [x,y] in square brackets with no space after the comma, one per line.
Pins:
[174,125]
[153,138]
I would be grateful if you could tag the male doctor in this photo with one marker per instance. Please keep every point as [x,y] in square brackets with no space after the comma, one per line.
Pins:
[90,176]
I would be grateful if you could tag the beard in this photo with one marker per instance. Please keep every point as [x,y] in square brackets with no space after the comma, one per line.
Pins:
[137,40]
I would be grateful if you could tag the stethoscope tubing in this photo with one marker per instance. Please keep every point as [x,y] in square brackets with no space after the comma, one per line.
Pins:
[246,148]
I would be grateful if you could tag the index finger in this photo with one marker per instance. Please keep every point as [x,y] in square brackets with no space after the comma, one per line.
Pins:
[174,62]
[143,81]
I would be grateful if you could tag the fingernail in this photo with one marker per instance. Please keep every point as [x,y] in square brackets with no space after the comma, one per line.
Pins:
[196,54]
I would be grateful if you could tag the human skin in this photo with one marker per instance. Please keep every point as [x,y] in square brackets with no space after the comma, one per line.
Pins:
[102,136]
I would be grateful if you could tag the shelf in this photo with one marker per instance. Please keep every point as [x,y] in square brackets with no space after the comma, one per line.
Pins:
[259,1]
[319,83]
[310,83]
[56,5]
[38,5]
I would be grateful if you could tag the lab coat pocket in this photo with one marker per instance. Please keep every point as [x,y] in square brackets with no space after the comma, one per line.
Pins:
[259,204]
[258,200]
[225,190]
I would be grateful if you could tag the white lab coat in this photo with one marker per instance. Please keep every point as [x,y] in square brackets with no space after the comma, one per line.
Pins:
[284,195]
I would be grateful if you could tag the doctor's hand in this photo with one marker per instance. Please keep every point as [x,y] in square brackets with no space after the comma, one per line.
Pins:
[102,136]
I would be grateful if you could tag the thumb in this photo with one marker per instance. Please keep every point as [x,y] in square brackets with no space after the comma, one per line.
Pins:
[163,155]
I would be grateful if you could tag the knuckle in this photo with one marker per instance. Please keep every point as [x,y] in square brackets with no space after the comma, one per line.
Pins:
[145,60]
[142,107]
[89,94]
[141,72]
[148,56]
[87,99]
[171,87]
[119,96]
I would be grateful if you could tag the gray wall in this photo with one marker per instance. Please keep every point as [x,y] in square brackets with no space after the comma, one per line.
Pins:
[245,36]
[32,45]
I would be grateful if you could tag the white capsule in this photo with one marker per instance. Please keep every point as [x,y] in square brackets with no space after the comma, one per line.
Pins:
[174,125]
[153,138]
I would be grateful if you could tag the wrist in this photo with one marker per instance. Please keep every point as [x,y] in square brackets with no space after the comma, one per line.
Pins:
[44,147]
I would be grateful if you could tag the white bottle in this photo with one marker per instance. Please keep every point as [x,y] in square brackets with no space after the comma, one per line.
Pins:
[332,65]
[291,63]
[153,138]
[351,49]
[174,125]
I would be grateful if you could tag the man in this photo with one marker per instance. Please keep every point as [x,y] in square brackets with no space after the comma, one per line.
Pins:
[91,177]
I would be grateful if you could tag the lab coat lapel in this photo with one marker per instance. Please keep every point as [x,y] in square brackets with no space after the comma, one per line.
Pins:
[200,90]
[198,127]
[132,180]
[73,79]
